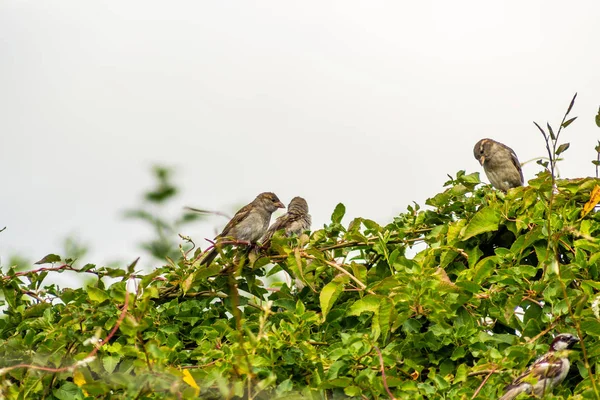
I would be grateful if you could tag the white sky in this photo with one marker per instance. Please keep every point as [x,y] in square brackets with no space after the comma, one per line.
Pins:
[366,103]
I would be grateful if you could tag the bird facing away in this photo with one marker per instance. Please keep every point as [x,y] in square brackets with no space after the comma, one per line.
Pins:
[546,372]
[295,221]
[500,163]
[249,223]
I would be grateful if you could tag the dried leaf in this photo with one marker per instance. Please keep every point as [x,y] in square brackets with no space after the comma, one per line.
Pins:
[594,199]
[189,379]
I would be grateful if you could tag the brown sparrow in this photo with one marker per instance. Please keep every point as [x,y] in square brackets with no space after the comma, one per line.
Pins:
[500,164]
[248,224]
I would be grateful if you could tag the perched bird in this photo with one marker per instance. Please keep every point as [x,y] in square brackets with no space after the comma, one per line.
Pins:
[295,221]
[546,372]
[249,223]
[500,164]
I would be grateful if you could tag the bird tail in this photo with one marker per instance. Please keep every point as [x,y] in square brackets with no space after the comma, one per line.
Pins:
[209,258]
[514,391]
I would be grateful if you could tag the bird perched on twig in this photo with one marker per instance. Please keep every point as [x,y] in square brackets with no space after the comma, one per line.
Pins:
[249,223]
[546,372]
[295,221]
[500,163]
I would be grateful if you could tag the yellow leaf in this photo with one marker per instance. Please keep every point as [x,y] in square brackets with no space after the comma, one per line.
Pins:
[78,378]
[187,283]
[594,199]
[187,378]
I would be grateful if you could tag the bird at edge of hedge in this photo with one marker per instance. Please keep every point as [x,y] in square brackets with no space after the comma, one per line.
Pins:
[546,372]
[248,224]
[295,221]
[500,163]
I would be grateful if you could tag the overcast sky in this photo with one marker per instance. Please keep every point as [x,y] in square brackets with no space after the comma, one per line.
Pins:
[368,103]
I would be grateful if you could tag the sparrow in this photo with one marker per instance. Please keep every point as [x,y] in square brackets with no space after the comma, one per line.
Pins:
[248,224]
[546,372]
[295,221]
[500,163]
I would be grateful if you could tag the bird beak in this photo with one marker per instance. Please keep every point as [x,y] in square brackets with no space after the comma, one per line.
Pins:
[279,205]
[481,160]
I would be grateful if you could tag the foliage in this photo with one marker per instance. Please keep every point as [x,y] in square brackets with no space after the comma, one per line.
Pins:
[164,243]
[446,301]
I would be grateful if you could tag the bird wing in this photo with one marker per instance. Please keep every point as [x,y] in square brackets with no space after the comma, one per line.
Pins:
[280,223]
[239,216]
[516,163]
[546,367]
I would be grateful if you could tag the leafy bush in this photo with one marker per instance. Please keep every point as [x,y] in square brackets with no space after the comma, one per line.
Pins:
[450,301]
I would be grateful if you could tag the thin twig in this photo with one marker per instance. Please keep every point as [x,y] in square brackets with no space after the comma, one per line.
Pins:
[485,372]
[482,384]
[385,385]
[343,271]
[200,211]
[542,333]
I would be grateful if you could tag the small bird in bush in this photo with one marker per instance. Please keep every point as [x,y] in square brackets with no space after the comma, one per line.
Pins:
[546,372]
[295,221]
[249,223]
[500,164]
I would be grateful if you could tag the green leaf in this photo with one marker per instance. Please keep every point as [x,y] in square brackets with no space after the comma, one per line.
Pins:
[369,303]
[571,105]
[11,296]
[551,131]
[338,213]
[329,294]
[49,259]
[97,295]
[68,391]
[567,123]
[205,272]
[591,326]
[562,148]
[352,391]
[486,220]
[110,363]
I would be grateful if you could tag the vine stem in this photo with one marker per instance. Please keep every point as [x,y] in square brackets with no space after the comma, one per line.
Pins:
[383,377]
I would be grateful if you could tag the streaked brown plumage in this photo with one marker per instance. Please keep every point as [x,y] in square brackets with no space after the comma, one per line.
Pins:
[500,163]
[546,372]
[295,221]
[249,223]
